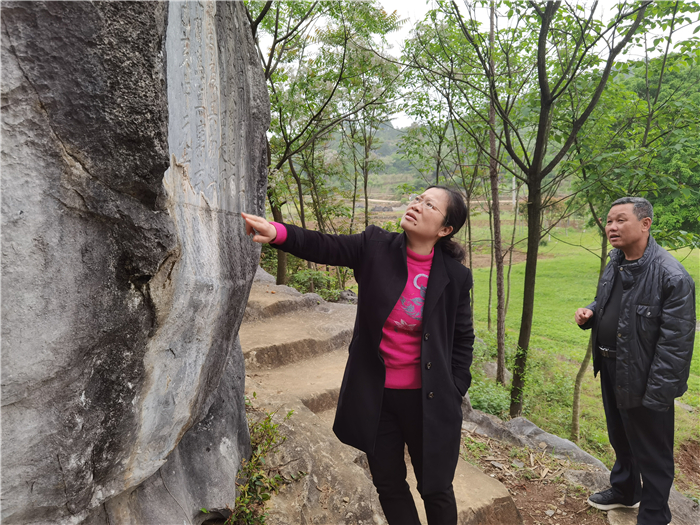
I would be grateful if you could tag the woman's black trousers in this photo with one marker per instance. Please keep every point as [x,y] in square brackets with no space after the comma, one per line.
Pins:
[401,424]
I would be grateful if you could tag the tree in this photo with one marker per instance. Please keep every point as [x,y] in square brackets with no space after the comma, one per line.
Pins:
[304,65]
[428,145]
[373,78]
[496,212]
[566,39]
[645,134]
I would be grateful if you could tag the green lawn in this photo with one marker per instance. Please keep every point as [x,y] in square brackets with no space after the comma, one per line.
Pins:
[566,280]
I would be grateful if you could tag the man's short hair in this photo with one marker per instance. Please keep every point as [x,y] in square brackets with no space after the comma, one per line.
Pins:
[642,207]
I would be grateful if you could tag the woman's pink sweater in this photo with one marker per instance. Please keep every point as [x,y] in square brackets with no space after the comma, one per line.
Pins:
[401,335]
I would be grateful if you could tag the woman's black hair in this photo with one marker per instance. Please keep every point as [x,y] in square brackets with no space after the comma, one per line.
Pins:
[455,216]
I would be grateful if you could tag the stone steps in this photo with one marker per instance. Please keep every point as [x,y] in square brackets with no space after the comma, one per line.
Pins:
[267,299]
[288,338]
[316,382]
[296,360]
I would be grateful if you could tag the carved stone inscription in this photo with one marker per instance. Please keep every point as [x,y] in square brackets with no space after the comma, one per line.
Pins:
[195,127]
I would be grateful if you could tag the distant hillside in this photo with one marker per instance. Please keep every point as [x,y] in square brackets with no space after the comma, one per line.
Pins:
[396,171]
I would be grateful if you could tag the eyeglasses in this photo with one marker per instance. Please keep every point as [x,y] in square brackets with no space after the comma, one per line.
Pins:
[427,204]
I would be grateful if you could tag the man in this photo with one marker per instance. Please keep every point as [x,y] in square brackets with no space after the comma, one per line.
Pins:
[643,321]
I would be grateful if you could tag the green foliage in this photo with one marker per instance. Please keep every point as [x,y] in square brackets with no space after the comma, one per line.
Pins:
[489,396]
[323,284]
[473,451]
[677,211]
[268,261]
[642,139]
[258,481]
[393,226]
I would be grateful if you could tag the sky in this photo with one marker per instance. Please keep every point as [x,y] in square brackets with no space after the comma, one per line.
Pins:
[413,10]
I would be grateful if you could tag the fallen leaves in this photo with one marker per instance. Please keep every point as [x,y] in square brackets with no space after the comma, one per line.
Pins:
[535,480]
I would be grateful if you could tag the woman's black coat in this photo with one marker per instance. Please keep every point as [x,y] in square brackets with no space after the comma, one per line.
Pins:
[378,258]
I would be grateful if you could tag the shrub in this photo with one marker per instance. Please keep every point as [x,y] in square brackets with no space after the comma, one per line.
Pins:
[393,226]
[258,481]
[490,397]
[323,284]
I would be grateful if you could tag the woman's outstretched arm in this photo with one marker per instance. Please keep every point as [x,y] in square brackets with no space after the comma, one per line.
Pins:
[335,250]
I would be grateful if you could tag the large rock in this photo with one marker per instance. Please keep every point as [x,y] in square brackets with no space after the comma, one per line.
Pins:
[490,369]
[522,432]
[333,483]
[555,445]
[201,471]
[133,134]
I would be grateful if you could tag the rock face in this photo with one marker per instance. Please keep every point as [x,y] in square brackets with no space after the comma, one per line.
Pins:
[133,134]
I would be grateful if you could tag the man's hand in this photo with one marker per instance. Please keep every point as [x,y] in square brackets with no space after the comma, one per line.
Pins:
[583,315]
[261,230]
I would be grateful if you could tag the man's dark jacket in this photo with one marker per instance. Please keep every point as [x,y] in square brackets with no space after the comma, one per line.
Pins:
[378,258]
[656,329]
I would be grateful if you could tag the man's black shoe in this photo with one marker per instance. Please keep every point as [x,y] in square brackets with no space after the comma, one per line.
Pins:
[606,500]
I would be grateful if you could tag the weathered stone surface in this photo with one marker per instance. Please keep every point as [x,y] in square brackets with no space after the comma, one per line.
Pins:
[348,296]
[267,299]
[594,481]
[685,407]
[201,471]
[297,335]
[684,511]
[487,424]
[335,488]
[555,445]
[522,432]
[133,134]
[263,277]
[490,369]
[481,500]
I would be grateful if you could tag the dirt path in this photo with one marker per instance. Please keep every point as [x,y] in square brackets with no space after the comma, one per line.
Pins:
[534,481]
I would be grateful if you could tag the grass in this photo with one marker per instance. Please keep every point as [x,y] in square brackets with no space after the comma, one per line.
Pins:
[566,280]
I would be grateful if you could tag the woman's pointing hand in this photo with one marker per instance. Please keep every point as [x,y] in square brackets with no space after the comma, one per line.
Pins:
[260,228]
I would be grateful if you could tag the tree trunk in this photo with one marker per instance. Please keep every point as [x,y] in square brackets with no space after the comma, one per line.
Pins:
[512,245]
[354,198]
[576,408]
[491,246]
[300,192]
[470,252]
[365,175]
[281,256]
[534,212]
[469,190]
[497,244]
[302,218]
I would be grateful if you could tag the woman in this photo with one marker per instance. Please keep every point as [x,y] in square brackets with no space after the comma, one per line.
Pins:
[409,358]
